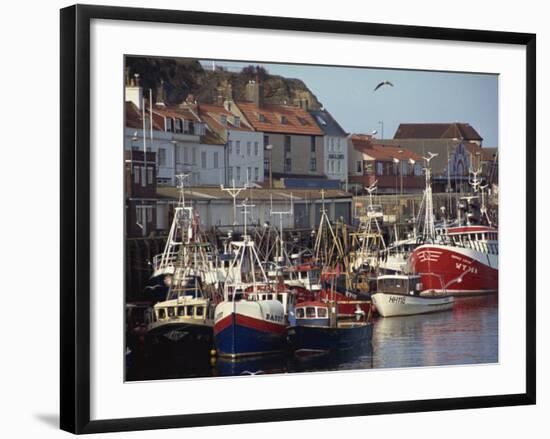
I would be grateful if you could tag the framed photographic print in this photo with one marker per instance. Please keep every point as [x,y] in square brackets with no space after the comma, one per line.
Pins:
[273,218]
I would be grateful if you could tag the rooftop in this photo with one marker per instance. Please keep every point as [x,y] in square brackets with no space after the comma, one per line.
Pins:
[454,130]
[286,119]
[134,117]
[327,123]
[364,143]
[211,114]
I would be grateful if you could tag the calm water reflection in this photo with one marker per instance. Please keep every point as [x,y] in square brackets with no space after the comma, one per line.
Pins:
[466,335]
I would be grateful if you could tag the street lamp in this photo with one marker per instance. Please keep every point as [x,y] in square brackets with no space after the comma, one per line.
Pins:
[401,170]
[381,123]
[270,149]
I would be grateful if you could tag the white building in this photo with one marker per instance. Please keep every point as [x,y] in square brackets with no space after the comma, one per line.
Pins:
[244,150]
[335,160]
[182,142]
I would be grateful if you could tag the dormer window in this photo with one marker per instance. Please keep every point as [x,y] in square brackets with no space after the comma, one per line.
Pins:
[223,120]
[321,120]
[302,121]
[261,117]
[169,124]
[284,119]
[237,121]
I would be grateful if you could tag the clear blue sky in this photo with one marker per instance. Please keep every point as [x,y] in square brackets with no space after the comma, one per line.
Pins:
[417,96]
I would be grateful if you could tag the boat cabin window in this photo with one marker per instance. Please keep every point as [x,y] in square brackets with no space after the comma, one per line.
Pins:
[200,311]
[300,313]
[162,313]
[322,312]
[314,275]
[190,309]
[310,312]
[270,297]
[280,297]
[181,311]
[171,312]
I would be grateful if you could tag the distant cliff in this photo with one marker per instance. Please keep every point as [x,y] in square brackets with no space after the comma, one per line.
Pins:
[182,77]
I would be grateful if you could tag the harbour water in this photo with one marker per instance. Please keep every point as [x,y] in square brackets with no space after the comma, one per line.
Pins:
[466,335]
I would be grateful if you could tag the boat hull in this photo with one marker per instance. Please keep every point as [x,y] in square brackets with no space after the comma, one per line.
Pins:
[390,304]
[455,270]
[249,328]
[181,337]
[306,340]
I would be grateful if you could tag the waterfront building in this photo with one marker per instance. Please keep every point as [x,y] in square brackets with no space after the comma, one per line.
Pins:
[395,169]
[335,148]
[181,141]
[292,140]
[243,147]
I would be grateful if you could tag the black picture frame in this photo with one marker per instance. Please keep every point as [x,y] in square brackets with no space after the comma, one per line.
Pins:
[75,217]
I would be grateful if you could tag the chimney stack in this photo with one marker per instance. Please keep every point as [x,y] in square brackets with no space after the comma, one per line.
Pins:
[160,98]
[255,93]
[134,92]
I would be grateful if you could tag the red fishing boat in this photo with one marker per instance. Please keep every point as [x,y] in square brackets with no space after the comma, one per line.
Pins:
[461,260]
[465,262]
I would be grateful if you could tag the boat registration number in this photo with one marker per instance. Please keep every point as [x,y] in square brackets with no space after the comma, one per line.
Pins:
[397,299]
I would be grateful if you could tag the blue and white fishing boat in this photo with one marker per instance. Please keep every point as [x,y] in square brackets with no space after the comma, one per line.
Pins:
[250,321]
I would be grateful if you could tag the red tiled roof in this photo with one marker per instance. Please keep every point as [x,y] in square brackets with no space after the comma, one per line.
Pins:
[298,121]
[453,130]
[211,115]
[134,119]
[175,112]
[363,143]
[360,141]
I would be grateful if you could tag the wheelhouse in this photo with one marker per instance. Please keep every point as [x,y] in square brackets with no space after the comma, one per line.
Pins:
[483,239]
[174,310]
[312,314]
[399,284]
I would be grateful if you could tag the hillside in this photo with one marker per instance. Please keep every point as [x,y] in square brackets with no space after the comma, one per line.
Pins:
[187,76]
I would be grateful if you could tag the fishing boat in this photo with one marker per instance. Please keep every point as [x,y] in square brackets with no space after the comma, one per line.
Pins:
[185,319]
[459,260]
[250,321]
[320,330]
[402,295]
[184,231]
[316,333]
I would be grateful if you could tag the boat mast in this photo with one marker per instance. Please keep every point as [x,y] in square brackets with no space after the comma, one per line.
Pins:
[234,192]
[429,226]
[282,256]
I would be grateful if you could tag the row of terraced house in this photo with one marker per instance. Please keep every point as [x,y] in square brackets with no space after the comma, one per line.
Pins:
[265,145]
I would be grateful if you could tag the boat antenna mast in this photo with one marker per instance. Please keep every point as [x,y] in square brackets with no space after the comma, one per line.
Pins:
[234,192]
[282,256]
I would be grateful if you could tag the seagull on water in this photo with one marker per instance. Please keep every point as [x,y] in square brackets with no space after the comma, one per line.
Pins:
[383,83]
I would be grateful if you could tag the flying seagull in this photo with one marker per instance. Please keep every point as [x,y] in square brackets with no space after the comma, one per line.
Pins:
[383,83]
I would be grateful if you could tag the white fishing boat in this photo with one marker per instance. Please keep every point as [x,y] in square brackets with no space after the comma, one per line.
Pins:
[402,295]
[185,246]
